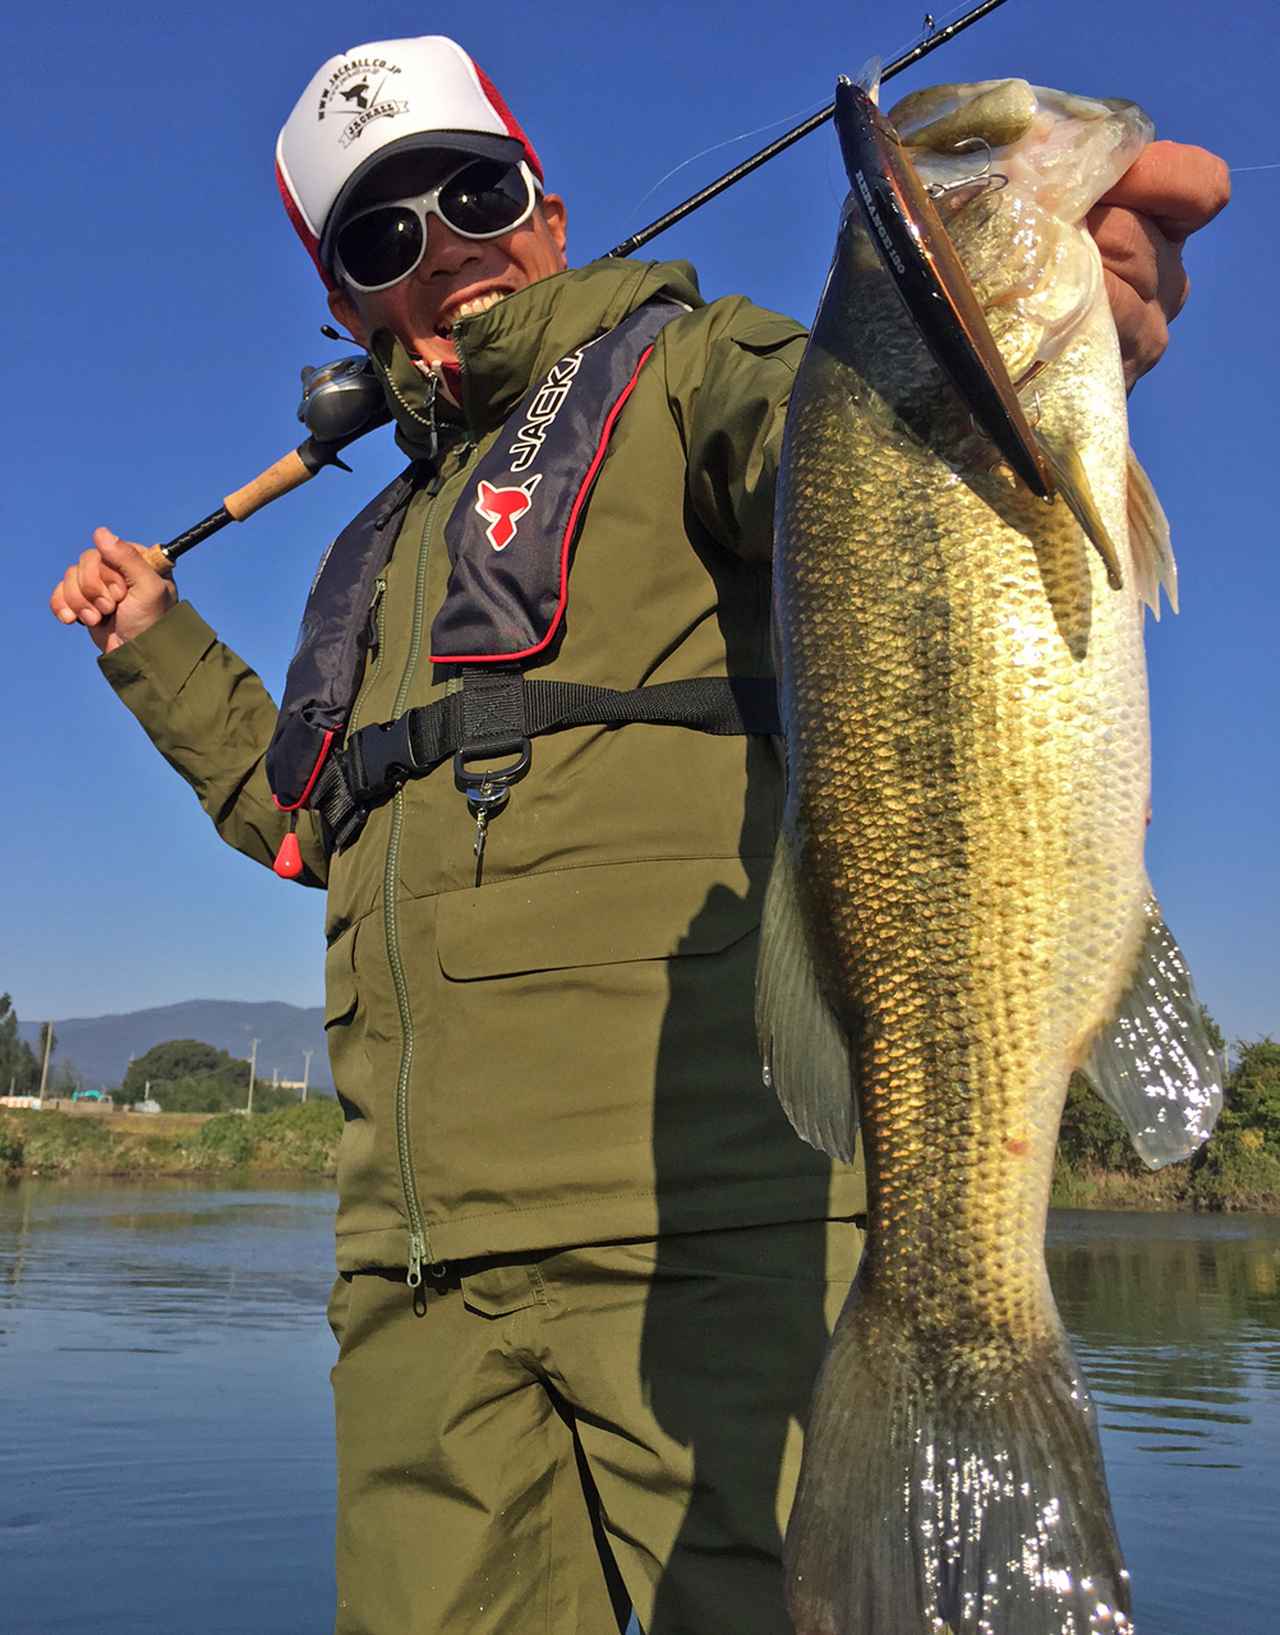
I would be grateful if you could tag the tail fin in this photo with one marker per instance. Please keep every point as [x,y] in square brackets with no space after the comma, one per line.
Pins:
[951,1491]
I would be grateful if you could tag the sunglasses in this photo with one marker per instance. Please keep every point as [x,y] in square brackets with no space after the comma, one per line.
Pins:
[380,245]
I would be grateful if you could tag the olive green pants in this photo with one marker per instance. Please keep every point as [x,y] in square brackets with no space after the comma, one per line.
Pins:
[546,1438]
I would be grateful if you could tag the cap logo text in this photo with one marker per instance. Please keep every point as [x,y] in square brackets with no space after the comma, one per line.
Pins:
[358,87]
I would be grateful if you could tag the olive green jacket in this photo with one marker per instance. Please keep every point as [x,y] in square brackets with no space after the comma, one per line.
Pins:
[565,1053]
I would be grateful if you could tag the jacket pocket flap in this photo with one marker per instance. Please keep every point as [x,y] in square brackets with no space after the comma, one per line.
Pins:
[604,915]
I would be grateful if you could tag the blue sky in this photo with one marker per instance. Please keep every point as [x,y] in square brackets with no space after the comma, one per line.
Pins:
[160,308]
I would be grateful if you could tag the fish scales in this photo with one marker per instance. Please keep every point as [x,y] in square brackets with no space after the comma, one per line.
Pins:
[964,700]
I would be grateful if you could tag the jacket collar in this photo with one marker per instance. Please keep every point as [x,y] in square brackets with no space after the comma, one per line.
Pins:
[505,350]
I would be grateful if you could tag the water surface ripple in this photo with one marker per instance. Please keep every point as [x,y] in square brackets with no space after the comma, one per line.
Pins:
[166,1457]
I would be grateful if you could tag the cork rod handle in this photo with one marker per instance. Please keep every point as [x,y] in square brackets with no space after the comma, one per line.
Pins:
[289,472]
[286,474]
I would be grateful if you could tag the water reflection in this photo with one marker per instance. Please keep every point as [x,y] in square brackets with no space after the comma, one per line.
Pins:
[1176,1320]
[166,1457]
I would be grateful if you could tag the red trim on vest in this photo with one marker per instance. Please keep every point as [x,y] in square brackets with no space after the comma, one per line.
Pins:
[504,113]
[569,529]
[309,241]
[315,773]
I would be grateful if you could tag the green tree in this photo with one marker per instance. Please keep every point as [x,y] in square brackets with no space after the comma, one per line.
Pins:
[1240,1168]
[218,1093]
[189,1076]
[174,1059]
[18,1066]
[1253,1091]
[64,1079]
[1092,1136]
[1215,1034]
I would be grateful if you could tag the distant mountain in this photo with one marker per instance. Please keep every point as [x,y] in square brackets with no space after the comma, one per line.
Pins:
[100,1046]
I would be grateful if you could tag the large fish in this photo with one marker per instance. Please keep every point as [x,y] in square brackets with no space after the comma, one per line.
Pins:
[959,915]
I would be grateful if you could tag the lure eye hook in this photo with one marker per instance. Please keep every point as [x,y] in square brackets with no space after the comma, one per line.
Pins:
[981,181]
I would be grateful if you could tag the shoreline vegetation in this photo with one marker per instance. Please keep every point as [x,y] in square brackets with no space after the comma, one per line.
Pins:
[298,1140]
[1238,1170]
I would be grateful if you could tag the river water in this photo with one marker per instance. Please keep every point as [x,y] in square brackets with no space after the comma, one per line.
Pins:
[166,1459]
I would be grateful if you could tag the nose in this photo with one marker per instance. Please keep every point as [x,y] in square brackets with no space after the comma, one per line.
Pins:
[447,252]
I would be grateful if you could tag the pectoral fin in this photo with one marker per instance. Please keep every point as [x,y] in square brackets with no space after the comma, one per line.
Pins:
[1154,1063]
[1072,482]
[805,1050]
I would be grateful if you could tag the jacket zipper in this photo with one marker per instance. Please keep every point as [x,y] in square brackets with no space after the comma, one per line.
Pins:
[460,352]
[429,418]
[418,1242]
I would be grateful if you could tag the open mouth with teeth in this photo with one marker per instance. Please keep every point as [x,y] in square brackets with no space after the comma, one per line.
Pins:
[467,309]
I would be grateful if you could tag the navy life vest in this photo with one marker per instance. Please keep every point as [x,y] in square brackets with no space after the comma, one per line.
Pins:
[510,538]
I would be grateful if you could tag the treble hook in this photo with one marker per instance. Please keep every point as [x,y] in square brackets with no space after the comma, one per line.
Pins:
[983,180]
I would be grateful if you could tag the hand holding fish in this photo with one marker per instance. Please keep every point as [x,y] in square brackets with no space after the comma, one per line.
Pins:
[1140,226]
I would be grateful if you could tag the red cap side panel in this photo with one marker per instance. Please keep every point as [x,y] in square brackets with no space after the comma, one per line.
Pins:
[310,243]
[508,119]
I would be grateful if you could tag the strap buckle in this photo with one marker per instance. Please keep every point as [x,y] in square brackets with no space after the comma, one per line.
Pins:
[378,760]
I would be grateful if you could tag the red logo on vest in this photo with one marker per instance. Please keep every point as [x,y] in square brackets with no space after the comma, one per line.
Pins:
[502,508]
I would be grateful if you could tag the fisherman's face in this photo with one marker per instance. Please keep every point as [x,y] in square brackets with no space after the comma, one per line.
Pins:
[457,276]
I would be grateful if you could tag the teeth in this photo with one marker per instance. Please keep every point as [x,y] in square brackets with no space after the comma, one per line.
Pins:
[477,303]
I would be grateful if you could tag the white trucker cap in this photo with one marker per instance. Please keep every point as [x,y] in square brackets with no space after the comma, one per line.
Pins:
[373,101]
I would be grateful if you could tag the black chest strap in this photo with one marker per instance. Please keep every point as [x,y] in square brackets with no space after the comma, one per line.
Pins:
[493,715]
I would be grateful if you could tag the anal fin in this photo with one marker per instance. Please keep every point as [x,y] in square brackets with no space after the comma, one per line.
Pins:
[1149,542]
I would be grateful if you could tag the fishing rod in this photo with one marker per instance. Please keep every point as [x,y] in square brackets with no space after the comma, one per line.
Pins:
[695,201]
[342,401]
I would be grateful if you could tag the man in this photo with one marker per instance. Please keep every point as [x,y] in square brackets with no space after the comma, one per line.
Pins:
[586,1269]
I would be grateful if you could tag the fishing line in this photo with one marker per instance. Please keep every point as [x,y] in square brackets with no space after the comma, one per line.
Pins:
[934,23]
[1235,170]
[800,113]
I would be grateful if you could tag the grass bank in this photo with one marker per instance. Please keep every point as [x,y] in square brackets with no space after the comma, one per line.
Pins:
[301,1140]
[1239,1170]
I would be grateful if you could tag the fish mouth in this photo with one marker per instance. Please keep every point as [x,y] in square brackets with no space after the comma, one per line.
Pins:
[1069,149]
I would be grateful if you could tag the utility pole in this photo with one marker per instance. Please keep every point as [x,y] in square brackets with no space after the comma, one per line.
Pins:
[306,1071]
[44,1065]
[253,1063]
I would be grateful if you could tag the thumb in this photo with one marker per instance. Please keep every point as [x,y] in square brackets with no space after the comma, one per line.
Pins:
[126,558]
